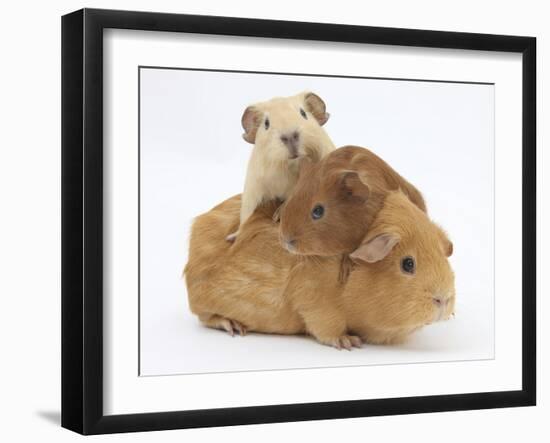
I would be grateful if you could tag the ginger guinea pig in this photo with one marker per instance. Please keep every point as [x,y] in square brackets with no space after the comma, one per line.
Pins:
[401,279]
[282,130]
[336,199]
[239,287]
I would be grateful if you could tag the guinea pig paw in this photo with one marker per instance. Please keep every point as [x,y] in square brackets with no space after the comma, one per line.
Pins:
[238,327]
[232,327]
[346,342]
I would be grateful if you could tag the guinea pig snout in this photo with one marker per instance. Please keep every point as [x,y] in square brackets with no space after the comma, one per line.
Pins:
[292,141]
[442,303]
[289,244]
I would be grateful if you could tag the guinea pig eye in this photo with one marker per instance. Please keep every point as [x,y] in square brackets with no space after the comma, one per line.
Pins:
[408,265]
[303,113]
[317,212]
[266,124]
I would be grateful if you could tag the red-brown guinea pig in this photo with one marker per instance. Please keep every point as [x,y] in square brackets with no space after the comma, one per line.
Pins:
[335,200]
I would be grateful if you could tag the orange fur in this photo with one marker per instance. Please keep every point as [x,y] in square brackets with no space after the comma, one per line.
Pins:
[256,285]
[385,304]
[350,183]
[223,279]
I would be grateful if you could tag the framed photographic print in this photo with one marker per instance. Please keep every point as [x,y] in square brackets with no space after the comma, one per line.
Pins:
[269,221]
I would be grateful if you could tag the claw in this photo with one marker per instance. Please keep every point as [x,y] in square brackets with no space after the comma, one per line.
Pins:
[232,327]
[226,324]
[237,327]
[347,342]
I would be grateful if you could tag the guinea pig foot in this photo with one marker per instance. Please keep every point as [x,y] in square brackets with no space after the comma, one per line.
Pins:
[240,328]
[232,327]
[345,342]
[225,324]
[232,237]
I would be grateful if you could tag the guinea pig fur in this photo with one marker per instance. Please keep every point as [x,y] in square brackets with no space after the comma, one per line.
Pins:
[335,200]
[403,278]
[400,280]
[283,130]
[230,286]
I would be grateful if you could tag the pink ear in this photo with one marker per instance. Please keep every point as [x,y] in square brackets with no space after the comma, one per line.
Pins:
[317,107]
[250,122]
[376,248]
[446,244]
[448,247]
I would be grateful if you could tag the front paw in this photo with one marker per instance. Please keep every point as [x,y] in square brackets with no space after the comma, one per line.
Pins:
[343,342]
[232,327]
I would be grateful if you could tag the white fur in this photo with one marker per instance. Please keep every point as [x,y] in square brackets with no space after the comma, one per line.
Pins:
[271,173]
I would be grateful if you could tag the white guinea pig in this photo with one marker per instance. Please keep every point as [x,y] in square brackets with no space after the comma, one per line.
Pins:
[283,130]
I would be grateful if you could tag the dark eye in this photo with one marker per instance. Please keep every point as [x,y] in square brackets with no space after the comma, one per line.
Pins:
[266,124]
[408,265]
[317,212]
[303,113]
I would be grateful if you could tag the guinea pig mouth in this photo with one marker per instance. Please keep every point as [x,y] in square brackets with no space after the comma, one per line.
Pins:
[444,307]
[295,151]
[441,314]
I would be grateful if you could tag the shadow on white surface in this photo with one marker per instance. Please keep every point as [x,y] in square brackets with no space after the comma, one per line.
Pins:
[52,417]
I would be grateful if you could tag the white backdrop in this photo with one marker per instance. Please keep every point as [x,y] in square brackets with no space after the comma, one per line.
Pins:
[30,234]
[440,136]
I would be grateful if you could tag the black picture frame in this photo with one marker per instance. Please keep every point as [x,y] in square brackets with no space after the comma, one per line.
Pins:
[82,220]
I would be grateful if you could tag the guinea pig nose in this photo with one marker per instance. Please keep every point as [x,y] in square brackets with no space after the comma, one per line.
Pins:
[290,244]
[290,139]
[438,301]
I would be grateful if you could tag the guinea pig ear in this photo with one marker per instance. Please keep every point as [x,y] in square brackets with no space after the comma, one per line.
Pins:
[352,184]
[250,121]
[317,107]
[376,248]
[447,247]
